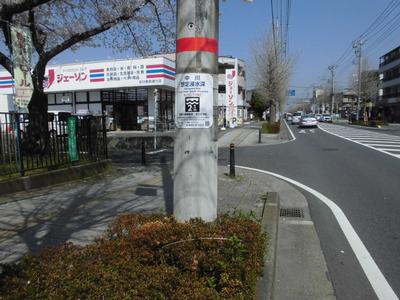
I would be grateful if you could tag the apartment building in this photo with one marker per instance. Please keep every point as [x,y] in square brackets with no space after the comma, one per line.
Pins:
[388,103]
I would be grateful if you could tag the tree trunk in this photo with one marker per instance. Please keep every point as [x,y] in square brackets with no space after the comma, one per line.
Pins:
[272,112]
[36,136]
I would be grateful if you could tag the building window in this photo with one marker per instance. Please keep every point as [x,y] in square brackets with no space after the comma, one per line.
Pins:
[81,97]
[222,89]
[51,99]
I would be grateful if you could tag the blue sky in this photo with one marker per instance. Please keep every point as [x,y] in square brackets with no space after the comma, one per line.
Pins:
[319,33]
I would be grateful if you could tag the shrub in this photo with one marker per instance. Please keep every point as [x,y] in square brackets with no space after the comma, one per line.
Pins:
[146,257]
[270,128]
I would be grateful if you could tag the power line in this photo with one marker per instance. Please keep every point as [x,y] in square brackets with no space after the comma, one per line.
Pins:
[385,13]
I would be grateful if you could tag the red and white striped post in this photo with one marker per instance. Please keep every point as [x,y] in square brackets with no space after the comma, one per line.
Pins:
[195,152]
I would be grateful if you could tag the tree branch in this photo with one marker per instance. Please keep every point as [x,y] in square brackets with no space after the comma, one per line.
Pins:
[6,62]
[80,37]
[35,39]
[158,19]
[8,10]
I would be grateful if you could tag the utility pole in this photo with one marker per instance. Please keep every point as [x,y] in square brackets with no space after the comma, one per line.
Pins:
[332,69]
[357,49]
[195,151]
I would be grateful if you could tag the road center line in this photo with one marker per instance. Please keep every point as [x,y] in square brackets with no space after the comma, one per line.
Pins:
[378,282]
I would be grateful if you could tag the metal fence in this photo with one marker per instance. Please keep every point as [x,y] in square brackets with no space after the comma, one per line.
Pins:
[30,142]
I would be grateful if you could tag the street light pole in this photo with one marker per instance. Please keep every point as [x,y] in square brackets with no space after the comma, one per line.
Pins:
[196,151]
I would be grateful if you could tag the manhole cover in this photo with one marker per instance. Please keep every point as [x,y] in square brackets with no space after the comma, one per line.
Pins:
[291,212]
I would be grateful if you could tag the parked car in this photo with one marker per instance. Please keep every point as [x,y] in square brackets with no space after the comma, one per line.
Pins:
[289,117]
[318,117]
[326,118]
[296,118]
[353,117]
[308,121]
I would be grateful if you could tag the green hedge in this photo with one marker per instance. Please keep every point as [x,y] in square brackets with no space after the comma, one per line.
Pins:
[147,257]
[270,127]
[370,123]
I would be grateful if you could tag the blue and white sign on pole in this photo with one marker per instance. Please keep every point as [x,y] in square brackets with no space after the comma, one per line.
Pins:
[291,93]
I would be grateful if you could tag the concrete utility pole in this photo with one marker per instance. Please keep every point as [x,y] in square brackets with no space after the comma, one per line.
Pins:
[332,69]
[195,152]
[357,49]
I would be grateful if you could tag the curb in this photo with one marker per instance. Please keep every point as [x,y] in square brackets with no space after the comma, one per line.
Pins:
[270,221]
[54,177]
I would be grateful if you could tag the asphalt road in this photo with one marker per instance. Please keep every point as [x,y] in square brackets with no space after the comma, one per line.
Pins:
[363,182]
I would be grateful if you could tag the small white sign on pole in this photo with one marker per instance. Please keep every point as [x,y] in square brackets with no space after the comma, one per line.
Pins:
[194,100]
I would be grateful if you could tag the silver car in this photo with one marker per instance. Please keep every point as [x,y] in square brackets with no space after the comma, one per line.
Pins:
[308,121]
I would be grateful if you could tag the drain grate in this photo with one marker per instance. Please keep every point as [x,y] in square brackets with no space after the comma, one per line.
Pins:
[291,212]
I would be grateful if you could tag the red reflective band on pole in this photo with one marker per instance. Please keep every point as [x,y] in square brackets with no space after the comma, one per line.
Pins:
[202,44]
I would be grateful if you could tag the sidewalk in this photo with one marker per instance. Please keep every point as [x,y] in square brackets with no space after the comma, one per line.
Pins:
[80,211]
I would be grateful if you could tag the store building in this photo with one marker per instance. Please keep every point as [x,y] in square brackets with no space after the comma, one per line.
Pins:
[124,90]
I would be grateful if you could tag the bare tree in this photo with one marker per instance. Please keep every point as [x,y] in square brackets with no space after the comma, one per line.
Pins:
[271,74]
[369,86]
[144,26]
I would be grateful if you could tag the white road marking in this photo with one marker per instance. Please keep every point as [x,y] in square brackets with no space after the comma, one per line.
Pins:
[302,131]
[312,130]
[377,280]
[378,141]
[354,141]
[290,131]
[389,149]
[381,145]
[156,151]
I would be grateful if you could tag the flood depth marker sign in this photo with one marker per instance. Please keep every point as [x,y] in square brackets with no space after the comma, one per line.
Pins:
[194,100]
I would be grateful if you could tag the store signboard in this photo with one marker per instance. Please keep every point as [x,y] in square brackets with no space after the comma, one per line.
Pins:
[103,75]
[194,100]
[110,74]
[231,96]
[21,53]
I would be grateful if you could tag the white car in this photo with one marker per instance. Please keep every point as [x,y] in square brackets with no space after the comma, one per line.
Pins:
[296,118]
[326,118]
[308,121]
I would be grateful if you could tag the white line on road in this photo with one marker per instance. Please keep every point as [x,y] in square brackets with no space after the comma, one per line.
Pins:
[156,151]
[290,131]
[378,282]
[389,149]
[350,140]
[381,145]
